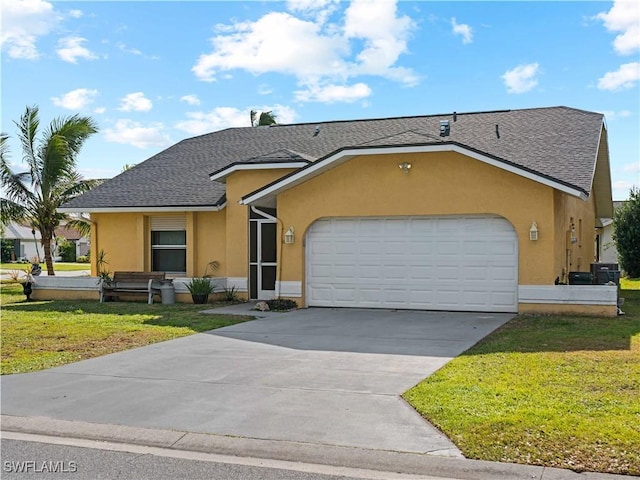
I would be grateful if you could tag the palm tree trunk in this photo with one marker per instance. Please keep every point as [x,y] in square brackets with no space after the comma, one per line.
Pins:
[46,246]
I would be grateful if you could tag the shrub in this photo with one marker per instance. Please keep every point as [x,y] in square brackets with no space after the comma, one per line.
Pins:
[627,232]
[66,250]
[7,249]
[199,286]
[83,259]
[281,304]
[230,294]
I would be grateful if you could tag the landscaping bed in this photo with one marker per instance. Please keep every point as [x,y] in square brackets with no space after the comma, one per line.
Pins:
[560,391]
[39,335]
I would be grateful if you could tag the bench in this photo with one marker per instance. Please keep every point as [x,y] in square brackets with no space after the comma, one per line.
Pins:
[132,283]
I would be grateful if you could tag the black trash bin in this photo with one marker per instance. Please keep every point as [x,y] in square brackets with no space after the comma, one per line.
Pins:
[580,278]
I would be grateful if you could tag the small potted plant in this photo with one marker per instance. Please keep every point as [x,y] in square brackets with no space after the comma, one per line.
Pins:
[200,288]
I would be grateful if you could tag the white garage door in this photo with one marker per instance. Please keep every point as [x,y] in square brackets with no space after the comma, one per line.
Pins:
[433,263]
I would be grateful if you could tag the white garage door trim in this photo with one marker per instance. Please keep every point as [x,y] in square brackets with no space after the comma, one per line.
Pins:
[454,263]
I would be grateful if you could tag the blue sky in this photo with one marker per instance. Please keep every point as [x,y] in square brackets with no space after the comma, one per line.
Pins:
[153,72]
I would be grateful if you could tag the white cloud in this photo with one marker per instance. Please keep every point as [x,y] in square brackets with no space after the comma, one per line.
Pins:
[613,115]
[385,36]
[631,167]
[76,13]
[369,41]
[134,133]
[624,17]
[99,110]
[75,99]
[623,185]
[198,123]
[135,102]
[23,21]
[277,42]
[319,9]
[334,93]
[521,79]
[190,99]
[70,49]
[122,47]
[462,29]
[625,77]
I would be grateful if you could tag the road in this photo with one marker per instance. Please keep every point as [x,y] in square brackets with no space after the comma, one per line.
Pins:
[32,457]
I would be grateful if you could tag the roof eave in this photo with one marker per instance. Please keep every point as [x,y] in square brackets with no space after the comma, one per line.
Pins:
[146,209]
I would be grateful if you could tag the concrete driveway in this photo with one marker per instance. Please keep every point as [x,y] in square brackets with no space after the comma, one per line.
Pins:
[322,376]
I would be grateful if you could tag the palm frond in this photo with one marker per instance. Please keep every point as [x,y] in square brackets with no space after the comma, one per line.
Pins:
[15,185]
[4,145]
[80,225]
[11,212]
[28,129]
[77,186]
[267,118]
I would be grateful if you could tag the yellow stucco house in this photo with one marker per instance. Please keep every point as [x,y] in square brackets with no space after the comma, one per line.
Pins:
[480,211]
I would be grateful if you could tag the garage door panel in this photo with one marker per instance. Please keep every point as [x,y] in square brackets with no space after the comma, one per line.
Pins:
[442,263]
[506,274]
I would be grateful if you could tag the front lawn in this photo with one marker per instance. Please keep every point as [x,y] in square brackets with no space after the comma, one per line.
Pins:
[39,335]
[560,391]
[57,267]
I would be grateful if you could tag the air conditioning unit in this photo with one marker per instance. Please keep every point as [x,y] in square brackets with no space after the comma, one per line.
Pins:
[604,273]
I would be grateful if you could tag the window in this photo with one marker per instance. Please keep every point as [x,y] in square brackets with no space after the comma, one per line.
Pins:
[169,251]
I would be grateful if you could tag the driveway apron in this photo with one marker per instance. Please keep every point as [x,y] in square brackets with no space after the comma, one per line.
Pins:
[323,376]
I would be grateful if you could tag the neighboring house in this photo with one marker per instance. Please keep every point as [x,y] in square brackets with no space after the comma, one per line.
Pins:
[81,243]
[606,247]
[26,243]
[464,211]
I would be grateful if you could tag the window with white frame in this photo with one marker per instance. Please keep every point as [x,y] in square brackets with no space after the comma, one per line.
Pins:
[169,245]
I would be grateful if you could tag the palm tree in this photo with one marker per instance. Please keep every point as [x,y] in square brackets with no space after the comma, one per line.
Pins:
[33,197]
[266,118]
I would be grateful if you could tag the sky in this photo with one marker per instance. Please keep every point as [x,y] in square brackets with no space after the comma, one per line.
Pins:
[152,73]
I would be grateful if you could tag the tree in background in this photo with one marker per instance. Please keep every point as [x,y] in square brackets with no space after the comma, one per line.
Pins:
[266,118]
[66,249]
[626,222]
[32,197]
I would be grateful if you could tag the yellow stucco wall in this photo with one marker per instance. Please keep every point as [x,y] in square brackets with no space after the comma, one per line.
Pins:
[568,256]
[118,235]
[64,294]
[564,309]
[437,184]
[125,238]
[211,242]
[239,184]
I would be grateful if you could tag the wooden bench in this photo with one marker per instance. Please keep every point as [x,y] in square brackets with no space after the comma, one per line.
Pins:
[132,283]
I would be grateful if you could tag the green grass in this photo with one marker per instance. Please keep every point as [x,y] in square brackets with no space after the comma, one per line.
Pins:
[57,266]
[630,283]
[559,391]
[39,335]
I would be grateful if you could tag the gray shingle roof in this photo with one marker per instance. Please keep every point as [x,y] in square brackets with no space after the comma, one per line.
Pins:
[560,143]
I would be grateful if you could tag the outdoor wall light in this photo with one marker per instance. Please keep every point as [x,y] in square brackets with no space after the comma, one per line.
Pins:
[289,236]
[405,166]
[533,231]
[574,239]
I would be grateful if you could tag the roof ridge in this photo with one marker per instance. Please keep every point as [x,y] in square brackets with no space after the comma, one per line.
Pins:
[397,134]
